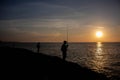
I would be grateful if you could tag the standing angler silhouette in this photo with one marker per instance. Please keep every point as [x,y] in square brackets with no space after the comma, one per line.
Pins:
[38,47]
[64,50]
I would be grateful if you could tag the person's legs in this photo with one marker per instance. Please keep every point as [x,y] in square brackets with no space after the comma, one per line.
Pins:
[64,56]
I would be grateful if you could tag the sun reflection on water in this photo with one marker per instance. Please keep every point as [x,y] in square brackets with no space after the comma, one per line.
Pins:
[99,44]
[99,50]
[99,58]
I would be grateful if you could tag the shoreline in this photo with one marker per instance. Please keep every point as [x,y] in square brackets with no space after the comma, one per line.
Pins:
[19,60]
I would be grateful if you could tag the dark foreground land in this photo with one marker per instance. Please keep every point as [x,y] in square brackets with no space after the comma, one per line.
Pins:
[24,64]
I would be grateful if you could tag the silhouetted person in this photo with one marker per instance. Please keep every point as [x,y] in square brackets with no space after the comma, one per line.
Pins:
[38,47]
[64,49]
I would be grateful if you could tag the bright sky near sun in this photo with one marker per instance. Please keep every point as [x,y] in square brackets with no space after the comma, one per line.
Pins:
[46,20]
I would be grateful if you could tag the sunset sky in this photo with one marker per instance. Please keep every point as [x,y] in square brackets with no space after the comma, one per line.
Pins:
[47,20]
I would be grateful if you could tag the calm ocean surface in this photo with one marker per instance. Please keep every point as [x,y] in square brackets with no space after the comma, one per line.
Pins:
[100,57]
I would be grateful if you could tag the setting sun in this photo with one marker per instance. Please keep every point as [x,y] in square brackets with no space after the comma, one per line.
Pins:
[99,34]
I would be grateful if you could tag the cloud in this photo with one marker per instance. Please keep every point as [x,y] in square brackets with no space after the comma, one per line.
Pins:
[37,10]
[14,34]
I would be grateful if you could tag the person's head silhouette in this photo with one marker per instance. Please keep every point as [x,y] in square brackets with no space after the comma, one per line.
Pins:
[65,42]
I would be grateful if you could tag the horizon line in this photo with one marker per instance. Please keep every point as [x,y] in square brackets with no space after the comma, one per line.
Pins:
[60,41]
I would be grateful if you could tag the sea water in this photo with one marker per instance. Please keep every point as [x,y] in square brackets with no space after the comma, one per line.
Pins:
[100,57]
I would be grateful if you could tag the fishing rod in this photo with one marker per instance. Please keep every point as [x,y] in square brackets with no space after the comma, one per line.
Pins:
[67,33]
